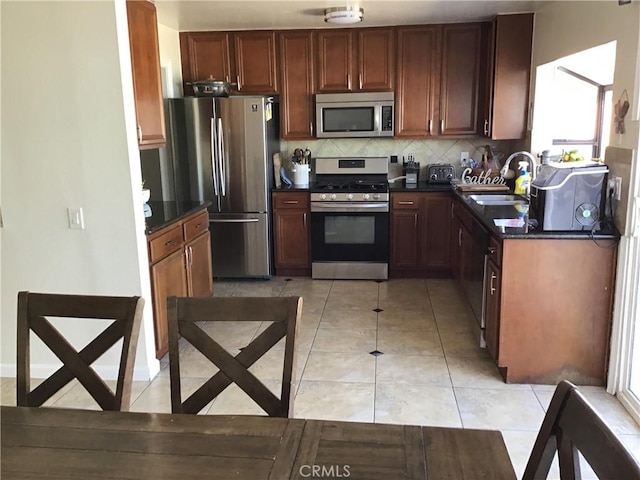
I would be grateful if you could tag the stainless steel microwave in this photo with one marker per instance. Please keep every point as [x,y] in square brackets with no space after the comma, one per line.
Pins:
[354,115]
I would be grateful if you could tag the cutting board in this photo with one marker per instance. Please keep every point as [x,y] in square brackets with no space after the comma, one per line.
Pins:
[479,187]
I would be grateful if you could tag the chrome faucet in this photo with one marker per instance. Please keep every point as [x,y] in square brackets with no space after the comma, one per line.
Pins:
[528,156]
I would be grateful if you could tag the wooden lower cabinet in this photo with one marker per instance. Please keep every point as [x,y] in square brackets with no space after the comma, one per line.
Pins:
[556,303]
[167,280]
[180,265]
[291,233]
[199,275]
[420,235]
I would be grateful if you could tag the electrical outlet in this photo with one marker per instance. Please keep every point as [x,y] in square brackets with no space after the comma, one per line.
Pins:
[76,218]
[615,183]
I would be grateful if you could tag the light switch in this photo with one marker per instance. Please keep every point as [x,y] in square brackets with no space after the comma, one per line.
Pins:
[76,218]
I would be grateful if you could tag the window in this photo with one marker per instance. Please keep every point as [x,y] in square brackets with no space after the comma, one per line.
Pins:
[582,117]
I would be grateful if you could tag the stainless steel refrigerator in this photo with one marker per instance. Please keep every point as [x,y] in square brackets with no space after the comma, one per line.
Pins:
[222,150]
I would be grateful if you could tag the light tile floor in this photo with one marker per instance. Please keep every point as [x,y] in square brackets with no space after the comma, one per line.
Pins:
[431,372]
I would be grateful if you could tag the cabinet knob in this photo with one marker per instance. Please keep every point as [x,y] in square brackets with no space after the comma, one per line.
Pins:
[291,202]
[349,82]
[441,126]
[311,128]
[139,133]
[430,127]
[238,82]
[493,277]
[486,128]
[360,81]
[405,203]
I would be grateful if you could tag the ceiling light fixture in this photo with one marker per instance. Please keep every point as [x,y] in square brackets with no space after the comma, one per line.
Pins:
[343,15]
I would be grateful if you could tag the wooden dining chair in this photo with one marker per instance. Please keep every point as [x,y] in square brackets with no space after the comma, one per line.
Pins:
[571,425]
[33,310]
[183,316]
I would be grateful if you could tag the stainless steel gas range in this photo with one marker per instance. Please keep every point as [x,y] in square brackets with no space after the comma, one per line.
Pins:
[350,218]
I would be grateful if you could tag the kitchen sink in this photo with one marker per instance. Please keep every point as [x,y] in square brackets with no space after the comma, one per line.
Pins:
[503,199]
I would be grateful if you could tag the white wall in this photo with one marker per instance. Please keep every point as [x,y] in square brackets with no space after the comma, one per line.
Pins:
[566,27]
[68,140]
[169,44]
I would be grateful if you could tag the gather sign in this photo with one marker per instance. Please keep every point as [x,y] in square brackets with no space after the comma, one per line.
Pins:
[483,178]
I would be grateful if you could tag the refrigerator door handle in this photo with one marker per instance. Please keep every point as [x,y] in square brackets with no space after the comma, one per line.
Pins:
[214,157]
[221,162]
[236,220]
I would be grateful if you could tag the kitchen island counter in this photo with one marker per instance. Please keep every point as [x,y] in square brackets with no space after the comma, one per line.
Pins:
[163,214]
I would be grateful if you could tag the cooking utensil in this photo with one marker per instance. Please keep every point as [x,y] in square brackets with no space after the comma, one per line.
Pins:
[210,88]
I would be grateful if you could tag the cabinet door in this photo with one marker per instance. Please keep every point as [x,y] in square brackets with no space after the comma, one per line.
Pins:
[291,239]
[416,81]
[492,302]
[168,279]
[199,274]
[296,80]
[255,55]
[405,240]
[335,60]
[460,77]
[145,66]
[508,84]
[376,59]
[436,234]
[204,55]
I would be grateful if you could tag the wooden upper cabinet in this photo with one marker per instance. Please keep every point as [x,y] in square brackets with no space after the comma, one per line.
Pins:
[204,55]
[335,60]
[296,85]
[376,59]
[508,75]
[417,77]
[360,60]
[460,78]
[145,66]
[255,59]
[245,59]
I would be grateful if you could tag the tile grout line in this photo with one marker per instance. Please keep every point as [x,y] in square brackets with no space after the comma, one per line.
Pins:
[444,353]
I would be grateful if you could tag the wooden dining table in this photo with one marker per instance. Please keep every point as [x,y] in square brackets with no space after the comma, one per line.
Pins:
[65,443]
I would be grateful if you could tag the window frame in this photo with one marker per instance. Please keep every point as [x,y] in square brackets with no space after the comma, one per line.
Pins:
[596,141]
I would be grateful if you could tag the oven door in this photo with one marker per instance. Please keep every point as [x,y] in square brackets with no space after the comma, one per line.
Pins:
[352,238]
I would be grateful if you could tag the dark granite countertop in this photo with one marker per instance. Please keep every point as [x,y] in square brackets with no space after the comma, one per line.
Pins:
[486,214]
[164,214]
[293,188]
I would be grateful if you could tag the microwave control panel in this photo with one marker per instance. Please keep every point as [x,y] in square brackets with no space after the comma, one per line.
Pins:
[387,118]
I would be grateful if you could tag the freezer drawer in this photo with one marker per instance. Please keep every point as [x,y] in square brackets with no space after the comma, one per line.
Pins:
[240,245]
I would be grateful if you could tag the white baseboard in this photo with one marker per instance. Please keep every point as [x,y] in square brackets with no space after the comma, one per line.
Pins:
[140,373]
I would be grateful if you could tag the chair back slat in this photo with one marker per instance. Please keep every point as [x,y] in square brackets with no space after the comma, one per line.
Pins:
[125,314]
[571,425]
[183,313]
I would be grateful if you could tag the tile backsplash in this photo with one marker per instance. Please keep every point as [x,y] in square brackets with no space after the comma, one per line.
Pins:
[424,151]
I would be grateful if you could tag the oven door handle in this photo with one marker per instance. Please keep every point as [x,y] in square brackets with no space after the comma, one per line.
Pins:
[349,207]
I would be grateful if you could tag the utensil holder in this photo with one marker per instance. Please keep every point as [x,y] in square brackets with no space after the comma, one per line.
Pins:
[301,174]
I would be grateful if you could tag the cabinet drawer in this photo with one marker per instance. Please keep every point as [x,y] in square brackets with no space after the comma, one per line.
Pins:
[291,200]
[196,226]
[405,201]
[495,251]
[166,243]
